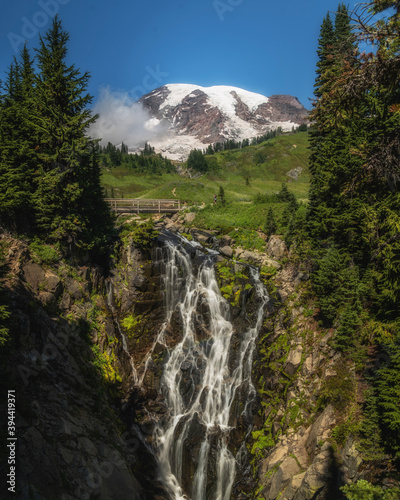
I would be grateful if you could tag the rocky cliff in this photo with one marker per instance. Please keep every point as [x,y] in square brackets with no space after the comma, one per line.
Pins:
[67,366]
[86,363]
[300,446]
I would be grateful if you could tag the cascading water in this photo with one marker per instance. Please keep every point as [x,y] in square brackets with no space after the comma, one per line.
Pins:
[199,382]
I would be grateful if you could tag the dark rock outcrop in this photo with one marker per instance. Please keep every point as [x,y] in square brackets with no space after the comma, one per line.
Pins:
[71,442]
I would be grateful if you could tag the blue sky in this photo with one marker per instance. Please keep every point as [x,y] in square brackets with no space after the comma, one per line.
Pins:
[262,46]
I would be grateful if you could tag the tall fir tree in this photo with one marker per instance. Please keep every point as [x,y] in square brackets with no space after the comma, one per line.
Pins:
[69,203]
[344,36]
[329,144]
[326,43]
[270,226]
[17,143]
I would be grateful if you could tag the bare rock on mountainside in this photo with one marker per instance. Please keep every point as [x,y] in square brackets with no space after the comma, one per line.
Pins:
[196,116]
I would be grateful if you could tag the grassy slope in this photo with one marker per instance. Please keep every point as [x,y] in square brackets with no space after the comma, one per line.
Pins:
[235,166]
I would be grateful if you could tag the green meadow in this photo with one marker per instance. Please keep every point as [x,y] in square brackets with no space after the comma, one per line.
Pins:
[244,174]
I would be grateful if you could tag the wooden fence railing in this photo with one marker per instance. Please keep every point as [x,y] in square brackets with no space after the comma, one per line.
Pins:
[139,205]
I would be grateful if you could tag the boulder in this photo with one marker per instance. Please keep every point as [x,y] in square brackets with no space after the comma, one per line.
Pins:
[226,240]
[74,289]
[295,172]
[307,366]
[351,459]
[276,248]
[288,468]
[293,360]
[320,430]
[66,301]
[294,485]
[34,275]
[201,235]
[317,477]
[277,456]
[251,257]
[256,258]
[53,284]
[299,448]
[48,299]
[174,228]
[227,251]
[267,262]
[189,217]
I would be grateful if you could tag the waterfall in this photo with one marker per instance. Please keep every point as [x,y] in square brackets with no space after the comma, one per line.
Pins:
[200,382]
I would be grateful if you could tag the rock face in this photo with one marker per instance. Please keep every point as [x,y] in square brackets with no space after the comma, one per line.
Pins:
[197,116]
[77,442]
[276,248]
[71,444]
[295,368]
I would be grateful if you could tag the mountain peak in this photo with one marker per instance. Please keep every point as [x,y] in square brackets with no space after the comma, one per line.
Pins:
[196,116]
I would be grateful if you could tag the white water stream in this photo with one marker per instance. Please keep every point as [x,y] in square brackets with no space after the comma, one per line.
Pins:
[199,382]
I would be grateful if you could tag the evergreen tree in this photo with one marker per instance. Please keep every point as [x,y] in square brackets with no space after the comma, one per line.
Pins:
[196,161]
[326,43]
[221,196]
[355,203]
[344,37]
[17,143]
[330,145]
[270,222]
[68,201]
[328,285]
[287,196]
[388,387]
[148,150]
[287,215]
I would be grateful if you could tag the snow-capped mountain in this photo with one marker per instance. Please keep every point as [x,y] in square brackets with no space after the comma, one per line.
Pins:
[196,116]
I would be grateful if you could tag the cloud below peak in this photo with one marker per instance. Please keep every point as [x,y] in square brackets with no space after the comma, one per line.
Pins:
[123,120]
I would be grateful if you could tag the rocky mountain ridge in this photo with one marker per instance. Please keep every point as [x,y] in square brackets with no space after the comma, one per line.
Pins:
[195,116]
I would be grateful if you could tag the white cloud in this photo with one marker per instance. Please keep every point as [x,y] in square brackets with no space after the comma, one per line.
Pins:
[123,120]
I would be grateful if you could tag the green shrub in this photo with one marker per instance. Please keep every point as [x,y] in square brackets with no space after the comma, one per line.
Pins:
[41,252]
[363,490]
[130,323]
[338,390]
[140,234]
[342,431]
